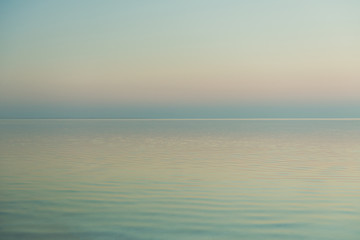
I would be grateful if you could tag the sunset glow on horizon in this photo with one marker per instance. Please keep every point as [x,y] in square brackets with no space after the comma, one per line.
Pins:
[140,57]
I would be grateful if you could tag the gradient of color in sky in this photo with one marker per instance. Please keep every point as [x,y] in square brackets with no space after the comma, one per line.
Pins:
[181,58]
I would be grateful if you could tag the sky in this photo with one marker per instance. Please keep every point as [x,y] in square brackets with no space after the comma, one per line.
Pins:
[179,58]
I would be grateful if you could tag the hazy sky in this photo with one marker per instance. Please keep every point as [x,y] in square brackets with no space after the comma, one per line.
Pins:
[180,58]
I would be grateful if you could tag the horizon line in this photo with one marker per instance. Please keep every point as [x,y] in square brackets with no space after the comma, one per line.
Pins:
[194,119]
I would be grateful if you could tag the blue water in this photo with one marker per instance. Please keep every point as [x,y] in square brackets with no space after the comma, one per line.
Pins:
[180,179]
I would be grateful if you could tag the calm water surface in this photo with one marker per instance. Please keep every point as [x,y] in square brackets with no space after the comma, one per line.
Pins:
[179,179]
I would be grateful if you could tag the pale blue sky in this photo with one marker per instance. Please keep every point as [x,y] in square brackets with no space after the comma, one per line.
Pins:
[270,58]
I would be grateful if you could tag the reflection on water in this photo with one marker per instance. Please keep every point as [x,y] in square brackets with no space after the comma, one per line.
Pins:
[158,179]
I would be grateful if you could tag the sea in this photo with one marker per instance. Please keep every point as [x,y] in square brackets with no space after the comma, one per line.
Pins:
[180,179]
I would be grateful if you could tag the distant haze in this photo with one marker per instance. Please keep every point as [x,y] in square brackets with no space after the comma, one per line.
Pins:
[179,59]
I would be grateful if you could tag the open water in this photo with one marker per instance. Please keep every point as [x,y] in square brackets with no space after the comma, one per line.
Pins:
[180,179]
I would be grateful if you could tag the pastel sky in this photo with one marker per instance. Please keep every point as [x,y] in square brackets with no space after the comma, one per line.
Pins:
[179,58]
